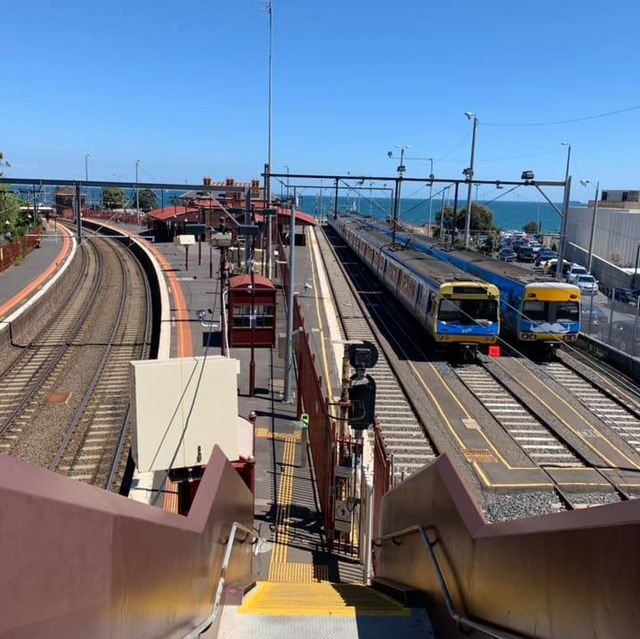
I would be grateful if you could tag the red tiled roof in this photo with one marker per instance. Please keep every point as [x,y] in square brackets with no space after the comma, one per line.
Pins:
[170,212]
[261,283]
[305,218]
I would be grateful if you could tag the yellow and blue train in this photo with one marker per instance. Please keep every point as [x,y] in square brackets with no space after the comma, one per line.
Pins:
[535,309]
[457,310]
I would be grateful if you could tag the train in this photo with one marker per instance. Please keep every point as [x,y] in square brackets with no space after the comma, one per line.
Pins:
[536,310]
[459,312]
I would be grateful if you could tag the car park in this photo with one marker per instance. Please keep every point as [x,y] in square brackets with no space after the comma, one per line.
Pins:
[587,284]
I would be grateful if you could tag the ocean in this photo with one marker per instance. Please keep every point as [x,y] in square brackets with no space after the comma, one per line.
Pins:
[507,215]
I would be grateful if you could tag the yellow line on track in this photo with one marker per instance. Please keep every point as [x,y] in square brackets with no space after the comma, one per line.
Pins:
[581,417]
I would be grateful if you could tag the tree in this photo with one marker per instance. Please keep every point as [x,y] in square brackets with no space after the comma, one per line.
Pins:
[113,198]
[491,243]
[148,200]
[481,218]
[531,228]
[12,223]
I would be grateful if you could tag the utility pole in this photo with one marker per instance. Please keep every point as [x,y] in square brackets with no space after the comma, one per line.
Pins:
[137,195]
[469,173]
[397,205]
[593,225]
[86,178]
[444,205]
[288,364]
[267,168]
[78,214]
[565,210]
[431,176]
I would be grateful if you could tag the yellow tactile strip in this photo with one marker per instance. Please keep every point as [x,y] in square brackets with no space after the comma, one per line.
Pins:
[320,599]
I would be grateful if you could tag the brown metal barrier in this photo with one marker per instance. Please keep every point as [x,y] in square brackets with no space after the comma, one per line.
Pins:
[9,253]
[382,470]
[78,561]
[112,216]
[565,576]
[322,429]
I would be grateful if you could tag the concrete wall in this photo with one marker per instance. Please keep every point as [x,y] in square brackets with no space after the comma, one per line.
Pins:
[573,575]
[78,561]
[617,233]
[608,274]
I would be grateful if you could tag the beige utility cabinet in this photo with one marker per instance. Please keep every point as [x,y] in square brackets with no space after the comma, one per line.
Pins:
[181,408]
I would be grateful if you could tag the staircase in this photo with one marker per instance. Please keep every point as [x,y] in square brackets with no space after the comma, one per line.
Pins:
[321,611]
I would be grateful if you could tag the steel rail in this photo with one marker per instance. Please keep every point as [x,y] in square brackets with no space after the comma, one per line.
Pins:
[485,627]
[564,497]
[96,376]
[27,348]
[374,330]
[125,425]
[46,370]
[222,577]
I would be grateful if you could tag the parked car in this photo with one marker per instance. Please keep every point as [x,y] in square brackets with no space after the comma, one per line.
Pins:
[574,271]
[593,320]
[626,295]
[506,255]
[622,336]
[587,284]
[544,256]
[526,254]
[550,266]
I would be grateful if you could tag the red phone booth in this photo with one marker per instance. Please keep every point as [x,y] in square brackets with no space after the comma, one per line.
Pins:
[252,312]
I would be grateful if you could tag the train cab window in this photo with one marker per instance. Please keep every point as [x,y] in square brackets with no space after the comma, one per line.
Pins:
[567,311]
[468,311]
[535,310]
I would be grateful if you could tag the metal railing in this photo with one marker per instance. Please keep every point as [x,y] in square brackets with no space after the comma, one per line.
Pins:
[460,619]
[198,630]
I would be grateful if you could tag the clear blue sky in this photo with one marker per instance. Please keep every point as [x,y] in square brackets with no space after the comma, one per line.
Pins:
[182,87]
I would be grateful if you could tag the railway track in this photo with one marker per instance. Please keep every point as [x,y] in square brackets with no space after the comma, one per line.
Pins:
[91,449]
[621,418]
[84,350]
[548,433]
[404,434]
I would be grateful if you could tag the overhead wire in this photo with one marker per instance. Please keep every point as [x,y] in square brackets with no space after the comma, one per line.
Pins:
[606,114]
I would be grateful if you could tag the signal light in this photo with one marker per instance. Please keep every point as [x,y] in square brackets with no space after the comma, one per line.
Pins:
[494,351]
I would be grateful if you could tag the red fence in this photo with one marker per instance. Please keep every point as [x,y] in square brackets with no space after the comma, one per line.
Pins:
[17,250]
[322,430]
[382,475]
[122,218]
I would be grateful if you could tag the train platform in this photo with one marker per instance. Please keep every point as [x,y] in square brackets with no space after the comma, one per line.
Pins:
[286,506]
[20,282]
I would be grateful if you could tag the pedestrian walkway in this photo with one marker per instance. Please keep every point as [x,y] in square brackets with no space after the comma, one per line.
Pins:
[24,279]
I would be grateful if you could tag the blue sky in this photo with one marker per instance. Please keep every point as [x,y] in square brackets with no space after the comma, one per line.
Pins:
[182,87]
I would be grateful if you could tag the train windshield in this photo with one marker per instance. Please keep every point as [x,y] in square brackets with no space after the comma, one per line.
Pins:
[567,312]
[538,311]
[468,311]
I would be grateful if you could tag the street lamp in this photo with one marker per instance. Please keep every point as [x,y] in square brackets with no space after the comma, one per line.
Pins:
[469,175]
[137,194]
[593,222]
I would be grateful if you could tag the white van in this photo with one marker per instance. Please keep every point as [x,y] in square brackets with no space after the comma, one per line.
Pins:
[574,271]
